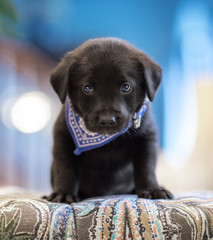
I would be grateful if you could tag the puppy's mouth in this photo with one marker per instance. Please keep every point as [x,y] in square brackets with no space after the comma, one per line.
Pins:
[106,130]
[107,127]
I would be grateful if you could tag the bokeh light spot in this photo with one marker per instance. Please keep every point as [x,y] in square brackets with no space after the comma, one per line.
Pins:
[31,112]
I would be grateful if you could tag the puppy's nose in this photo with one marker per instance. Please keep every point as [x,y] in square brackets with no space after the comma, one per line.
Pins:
[107,120]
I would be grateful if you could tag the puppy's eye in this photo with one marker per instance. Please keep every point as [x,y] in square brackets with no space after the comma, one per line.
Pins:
[126,88]
[88,89]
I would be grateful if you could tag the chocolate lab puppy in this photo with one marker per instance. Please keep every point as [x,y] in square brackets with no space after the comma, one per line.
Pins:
[104,138]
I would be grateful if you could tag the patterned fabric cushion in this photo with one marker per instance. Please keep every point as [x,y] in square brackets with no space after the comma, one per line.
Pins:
[26,216]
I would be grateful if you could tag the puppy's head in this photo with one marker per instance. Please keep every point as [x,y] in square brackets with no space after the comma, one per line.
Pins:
[107,81]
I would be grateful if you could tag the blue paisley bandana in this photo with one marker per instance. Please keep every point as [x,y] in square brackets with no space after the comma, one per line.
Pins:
[86,140]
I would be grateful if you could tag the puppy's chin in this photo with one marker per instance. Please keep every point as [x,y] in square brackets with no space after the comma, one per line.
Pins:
[107,130]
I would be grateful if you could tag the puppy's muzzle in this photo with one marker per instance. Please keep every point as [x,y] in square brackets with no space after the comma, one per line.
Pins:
[106,122]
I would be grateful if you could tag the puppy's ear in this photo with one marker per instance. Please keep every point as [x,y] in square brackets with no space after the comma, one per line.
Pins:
[152,74]
[60,75]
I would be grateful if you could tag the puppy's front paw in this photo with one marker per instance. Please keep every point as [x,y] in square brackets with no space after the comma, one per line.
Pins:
[155,193]
[60,197]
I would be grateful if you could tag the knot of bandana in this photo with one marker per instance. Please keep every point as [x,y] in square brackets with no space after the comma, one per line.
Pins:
[86,140]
